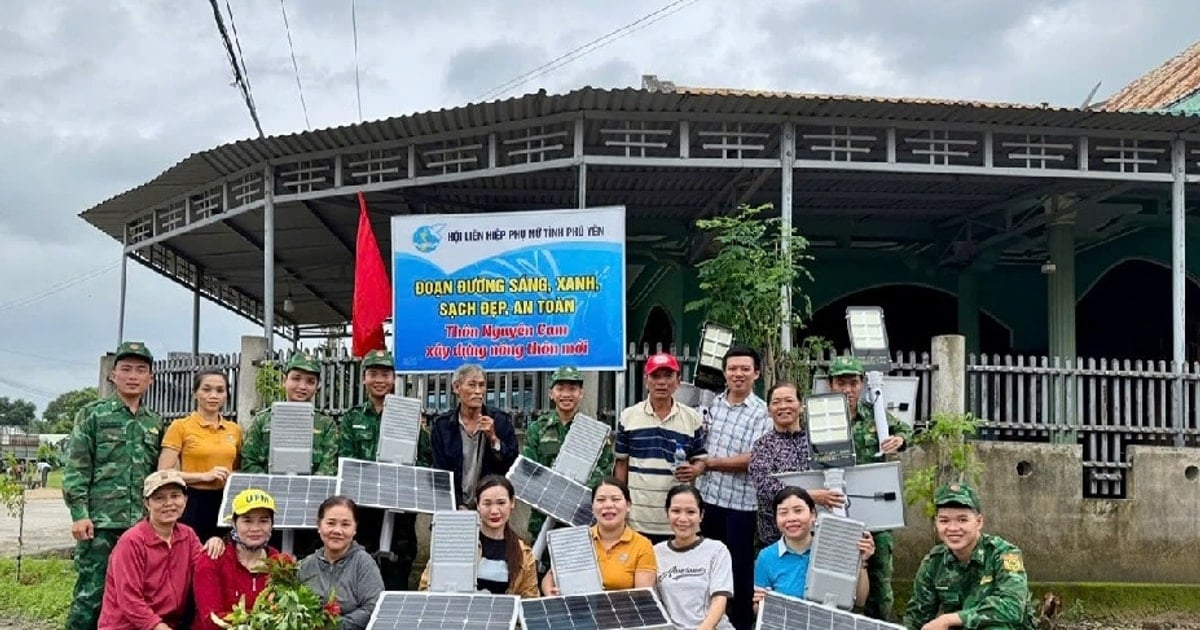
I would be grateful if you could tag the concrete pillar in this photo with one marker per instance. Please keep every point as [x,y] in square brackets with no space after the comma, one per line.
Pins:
[105,386]
[254,349]
[968,309]
[1060,286]
[949,386]
[590,405]
[1060,283]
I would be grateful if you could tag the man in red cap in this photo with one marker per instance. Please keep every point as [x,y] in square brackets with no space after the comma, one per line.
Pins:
[649,436]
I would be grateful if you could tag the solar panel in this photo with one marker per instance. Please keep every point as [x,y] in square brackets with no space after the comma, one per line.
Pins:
[573,558]
[875,492]
[632,609]
[780,612]
[551,492]
[399,430]
[581,448]
[833,571]
[290,447]
[396,610]
[396,487]
[452,552]
[297,497]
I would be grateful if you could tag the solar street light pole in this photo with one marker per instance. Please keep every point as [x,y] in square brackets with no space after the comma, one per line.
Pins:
[543,539]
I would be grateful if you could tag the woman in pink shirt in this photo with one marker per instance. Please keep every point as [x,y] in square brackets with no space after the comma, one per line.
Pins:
[149,575]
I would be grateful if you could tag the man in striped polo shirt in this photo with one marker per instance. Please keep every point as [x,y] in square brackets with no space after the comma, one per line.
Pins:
[734,420]
[648,435]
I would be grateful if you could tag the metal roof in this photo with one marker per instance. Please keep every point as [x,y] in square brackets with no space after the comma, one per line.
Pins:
[206,166]
[1164,86]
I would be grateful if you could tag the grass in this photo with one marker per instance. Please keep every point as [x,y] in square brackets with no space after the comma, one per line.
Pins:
[1100,601]
[44,592]
[55,479]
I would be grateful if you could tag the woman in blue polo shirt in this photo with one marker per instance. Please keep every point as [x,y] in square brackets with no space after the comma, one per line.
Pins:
[783,566]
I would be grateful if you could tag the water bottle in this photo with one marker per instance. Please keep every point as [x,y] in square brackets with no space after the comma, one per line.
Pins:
[680,455]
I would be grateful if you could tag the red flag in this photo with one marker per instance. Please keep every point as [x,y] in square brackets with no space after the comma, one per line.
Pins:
[372,292]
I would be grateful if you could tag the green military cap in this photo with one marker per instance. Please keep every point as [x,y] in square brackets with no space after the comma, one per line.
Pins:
[956,495]
[378,358]
[134,349]
[846,366]
[303,361]
[566,373]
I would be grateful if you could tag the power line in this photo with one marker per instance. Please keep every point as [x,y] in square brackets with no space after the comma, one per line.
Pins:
[295,66]
[357,89]
[32,390]
[241,78]
[590,47]
[61,286]
[44,358]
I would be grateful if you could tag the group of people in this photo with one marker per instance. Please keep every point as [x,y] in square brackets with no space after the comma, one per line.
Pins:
[711,531]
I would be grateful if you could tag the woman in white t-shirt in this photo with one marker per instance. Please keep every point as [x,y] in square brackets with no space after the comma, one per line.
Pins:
[695,574]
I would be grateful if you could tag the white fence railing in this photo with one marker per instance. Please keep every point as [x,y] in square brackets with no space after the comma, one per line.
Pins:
[1102,405]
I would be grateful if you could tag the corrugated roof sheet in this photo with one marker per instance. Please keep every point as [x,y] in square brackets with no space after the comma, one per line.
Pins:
[206,166]
[1162,87]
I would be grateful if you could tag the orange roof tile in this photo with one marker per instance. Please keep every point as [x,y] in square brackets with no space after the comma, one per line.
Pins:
[1162,87]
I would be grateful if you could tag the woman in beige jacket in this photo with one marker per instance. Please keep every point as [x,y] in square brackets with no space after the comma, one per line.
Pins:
[506,563]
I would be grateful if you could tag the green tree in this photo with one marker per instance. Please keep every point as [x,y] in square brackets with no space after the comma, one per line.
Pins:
[59,415]
[755,262]
[948,440]
[16,412]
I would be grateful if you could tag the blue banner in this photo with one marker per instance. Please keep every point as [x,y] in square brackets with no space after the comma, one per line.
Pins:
[530,290]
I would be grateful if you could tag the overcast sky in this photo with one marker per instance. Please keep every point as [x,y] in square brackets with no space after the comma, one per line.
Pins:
[99,97]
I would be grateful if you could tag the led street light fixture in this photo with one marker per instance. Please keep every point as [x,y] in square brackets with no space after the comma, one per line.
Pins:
[715,341]
[868,335]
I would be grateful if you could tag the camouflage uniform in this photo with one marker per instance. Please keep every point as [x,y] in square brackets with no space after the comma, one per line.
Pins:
[256,448]
[544,436]
[880,602]
[990,590]
[358,438]
[110,454]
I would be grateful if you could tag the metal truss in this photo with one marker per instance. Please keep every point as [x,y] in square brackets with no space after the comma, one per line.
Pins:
[756,145]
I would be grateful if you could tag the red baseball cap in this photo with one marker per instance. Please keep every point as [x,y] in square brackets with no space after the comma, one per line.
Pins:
[660,361]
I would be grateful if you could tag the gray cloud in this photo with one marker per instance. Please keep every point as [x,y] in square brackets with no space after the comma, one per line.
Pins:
[96,98]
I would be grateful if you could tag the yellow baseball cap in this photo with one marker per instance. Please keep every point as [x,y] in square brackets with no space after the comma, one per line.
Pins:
[252,499]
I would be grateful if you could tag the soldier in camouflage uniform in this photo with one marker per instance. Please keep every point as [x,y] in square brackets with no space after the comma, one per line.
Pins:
[301,377]
[359,439]
[970,580]
[113,448]
[847,376]
[544,436]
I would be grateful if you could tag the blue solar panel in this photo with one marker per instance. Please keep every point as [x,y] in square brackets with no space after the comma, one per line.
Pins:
[780,612]
[551,492]
[610,610]
[403,610]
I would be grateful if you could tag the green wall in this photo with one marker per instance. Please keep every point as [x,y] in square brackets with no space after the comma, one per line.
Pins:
[1015,295]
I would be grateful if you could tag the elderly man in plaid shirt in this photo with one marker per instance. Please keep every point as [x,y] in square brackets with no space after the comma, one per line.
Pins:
[734,420]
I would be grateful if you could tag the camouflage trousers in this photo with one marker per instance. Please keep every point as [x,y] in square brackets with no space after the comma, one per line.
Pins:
[91,564]
[880,601]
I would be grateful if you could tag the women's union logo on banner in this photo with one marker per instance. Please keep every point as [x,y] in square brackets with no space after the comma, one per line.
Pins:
[530,290]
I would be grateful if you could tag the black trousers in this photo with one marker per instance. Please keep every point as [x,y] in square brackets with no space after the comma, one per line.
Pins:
[201,513]
[396,567]
[737,529]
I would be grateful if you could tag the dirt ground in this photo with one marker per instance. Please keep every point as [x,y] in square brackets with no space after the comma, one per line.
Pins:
[47,525]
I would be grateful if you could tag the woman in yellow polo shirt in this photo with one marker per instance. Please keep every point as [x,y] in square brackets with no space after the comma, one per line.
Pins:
[626,557]
[204,447]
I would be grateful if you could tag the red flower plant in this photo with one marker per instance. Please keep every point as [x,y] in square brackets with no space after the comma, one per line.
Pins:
[285,604]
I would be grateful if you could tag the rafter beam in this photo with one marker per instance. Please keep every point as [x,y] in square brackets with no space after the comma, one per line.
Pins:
[702,240]
[257,244]
[329,228]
